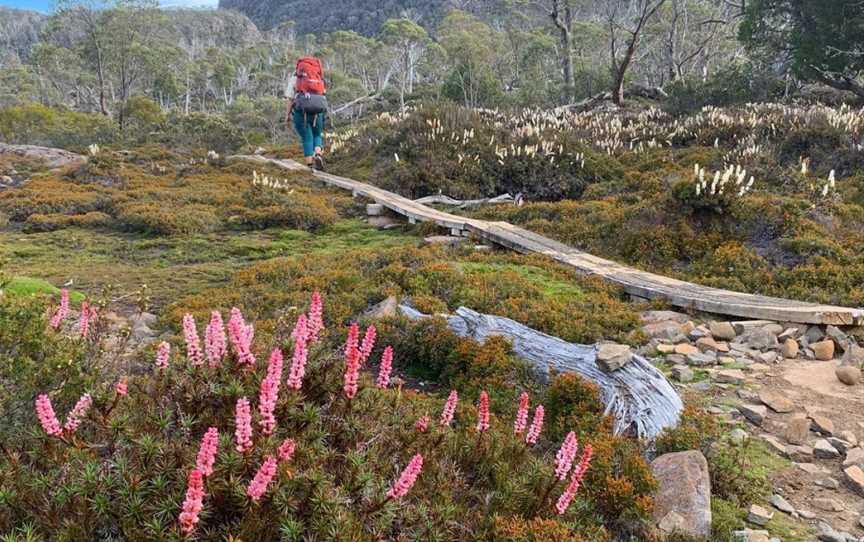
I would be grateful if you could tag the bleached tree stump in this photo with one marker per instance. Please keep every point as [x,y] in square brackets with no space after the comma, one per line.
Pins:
[638,396]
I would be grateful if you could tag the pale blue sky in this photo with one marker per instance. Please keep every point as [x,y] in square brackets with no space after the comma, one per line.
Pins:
[45,5]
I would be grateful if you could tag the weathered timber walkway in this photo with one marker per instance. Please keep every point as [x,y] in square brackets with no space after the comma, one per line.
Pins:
[638,283]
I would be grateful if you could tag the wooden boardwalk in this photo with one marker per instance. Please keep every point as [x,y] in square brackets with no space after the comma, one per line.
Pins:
[638,283]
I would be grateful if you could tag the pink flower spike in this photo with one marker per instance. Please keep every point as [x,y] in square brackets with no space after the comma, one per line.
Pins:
[45,413]
[215,341]
[193,343]
[269,394]
[241,336]
[449,409]
[385,368]
[301,329]
[62,310]
[566,455]
[316,318]
[74,418]
[243,425]
[575,481]
[122,387]
[536,426]
[258,486]
[422,424]
[407,479]
[352,363]
[483,413]
[86,319]
[298,365]
[521,415]
[194,502]
[207,452]
[163,352]
[368,344]
[286,450]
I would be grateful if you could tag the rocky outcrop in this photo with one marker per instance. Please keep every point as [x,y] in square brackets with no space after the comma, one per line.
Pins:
[53,158]
[683,489]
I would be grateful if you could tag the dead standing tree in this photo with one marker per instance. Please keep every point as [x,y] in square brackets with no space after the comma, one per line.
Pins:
[626,20]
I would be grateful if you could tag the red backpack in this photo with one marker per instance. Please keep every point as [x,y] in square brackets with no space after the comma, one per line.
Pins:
[310,76]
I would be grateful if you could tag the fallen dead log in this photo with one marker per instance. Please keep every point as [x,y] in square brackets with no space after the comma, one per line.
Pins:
[441,199]
[638,397]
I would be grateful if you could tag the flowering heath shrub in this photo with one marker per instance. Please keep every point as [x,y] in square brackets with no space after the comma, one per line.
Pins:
[190,451]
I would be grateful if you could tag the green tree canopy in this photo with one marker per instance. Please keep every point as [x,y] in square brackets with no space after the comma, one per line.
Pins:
[823,41]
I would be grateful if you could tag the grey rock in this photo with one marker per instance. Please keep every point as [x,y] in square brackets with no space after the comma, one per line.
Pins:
[758,515]
[768,357]
[823,450]
[854,355]
[738,436]
[650,317]
[611,356]
[669,330]
[799,453]
[730,376]
[699,359]
[839,338]
[849,437]
[682,373]
[782,504]
[854,456]
[806,514]
[828,483]
[755,414]
[723,331]
[683,487]
[374,209]
[848,374]
[385,309]
[761,339]
[814,334]
[839,444]
[828,504]
[443,240]
[797,430]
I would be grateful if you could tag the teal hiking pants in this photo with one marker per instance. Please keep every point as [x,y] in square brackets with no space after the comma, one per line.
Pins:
[310,128]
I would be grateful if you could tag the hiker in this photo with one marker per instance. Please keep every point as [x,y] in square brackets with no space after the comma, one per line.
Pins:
[307,108]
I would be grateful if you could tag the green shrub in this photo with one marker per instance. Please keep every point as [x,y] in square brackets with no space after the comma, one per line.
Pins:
[35,124]
[163,219]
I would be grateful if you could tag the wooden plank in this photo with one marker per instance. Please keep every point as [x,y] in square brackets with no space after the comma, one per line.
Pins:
[633,281]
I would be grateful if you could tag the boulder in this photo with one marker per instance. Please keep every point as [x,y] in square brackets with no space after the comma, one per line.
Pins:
[755,414]
[723,331]
[759,515]
[823,350]
[790,348]
[797,430]
[778,502]
[822,425]
[848,374]
[854,355]
[776,402]
[823,450]
[611,356]
[668,330]
[682,373]
[855,478]
[683,488]
[761,339]
[385,309]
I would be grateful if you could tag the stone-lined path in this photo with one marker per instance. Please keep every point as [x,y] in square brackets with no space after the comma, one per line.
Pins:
[635,282]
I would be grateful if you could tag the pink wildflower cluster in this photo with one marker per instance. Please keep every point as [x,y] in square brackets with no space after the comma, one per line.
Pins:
[368,344]
[194,502]
[62,310]
[575,481]
[193,343]
[122,387]
[422,424]
[407,479]
[449,409]
[258,486]
[269,393]
[483,413]
[301,335]
[215,342]
[536,426]
[352,362]
[243,425]
[385,368]
[45,413]
[207,452]
[86,318]
[163,352]
[241,336]
[73,419]
[286,450]
[566,455]
[316,317]
[521,415]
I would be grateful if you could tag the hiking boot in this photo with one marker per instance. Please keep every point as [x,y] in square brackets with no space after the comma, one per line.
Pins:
[319,162]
